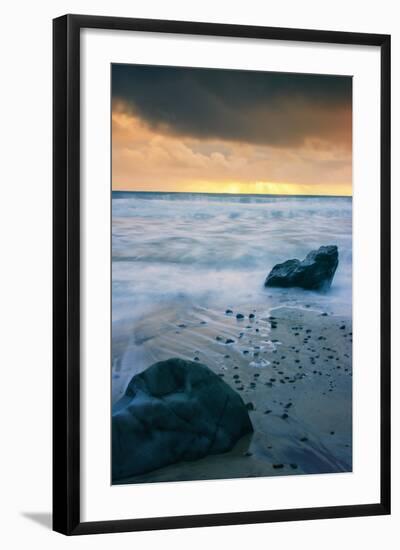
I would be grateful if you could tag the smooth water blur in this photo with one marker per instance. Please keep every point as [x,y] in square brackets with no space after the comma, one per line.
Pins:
[215,251]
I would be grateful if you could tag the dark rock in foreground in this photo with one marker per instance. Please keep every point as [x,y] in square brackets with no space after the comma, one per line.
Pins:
[315,272]
[175,410]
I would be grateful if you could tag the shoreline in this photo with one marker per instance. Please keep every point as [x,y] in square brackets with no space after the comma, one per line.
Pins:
[291,366]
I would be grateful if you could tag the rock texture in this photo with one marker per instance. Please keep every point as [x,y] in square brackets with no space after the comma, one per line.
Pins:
[315,272]
[176,410]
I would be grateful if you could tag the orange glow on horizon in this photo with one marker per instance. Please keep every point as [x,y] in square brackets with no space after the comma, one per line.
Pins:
[244,188]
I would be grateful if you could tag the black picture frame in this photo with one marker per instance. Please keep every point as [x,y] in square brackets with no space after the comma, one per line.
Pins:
[66,273]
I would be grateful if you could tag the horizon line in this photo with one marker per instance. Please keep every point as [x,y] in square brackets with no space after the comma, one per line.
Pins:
[233,194]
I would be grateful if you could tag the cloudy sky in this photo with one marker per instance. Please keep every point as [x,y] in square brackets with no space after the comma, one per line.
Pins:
[224,131]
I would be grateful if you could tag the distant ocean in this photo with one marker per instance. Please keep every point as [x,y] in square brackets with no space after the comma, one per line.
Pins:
[215,250]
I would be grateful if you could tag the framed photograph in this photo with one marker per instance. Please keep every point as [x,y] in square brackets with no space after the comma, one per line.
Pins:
[221,274]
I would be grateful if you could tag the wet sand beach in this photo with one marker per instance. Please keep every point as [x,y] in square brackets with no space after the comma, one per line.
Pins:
[291,366]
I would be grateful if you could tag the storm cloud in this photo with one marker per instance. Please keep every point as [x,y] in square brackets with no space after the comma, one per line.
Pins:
[263,108]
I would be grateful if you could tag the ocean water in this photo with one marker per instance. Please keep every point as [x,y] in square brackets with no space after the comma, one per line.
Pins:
[179,261]
[215,251]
